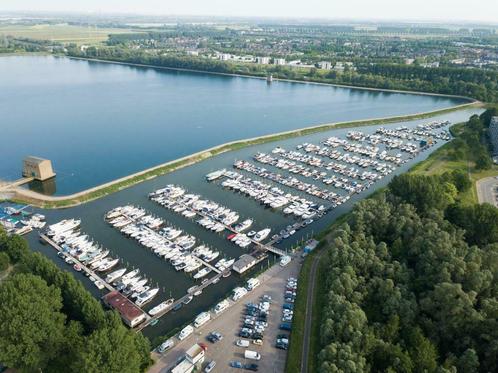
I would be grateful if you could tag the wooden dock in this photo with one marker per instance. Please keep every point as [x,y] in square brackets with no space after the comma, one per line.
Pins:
[76,261]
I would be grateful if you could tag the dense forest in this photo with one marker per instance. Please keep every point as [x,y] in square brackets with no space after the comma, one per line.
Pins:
[411,282]
[479,84]
[51,323]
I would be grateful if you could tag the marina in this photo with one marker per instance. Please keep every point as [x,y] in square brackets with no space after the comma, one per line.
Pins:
[186,294]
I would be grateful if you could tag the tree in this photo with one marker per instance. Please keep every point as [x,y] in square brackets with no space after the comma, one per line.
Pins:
[4,261]
[32,326]
[111,349]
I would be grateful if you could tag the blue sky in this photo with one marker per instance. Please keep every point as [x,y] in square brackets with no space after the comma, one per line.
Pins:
[477,10]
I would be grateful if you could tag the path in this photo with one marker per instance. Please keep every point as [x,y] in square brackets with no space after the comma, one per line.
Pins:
[309,312]
[486,190]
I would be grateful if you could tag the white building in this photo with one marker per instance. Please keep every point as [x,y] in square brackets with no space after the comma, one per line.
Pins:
[325,65]
[279,61]
[244,263]
[263,60]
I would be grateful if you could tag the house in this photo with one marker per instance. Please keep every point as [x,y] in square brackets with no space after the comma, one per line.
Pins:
[244,263]
[129,312]
[38,168]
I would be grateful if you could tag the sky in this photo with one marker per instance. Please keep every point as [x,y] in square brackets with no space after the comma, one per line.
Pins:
[440,10]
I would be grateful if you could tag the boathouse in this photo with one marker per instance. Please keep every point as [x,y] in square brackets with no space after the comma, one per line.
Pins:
[244,263]
[37,168]
[130,313]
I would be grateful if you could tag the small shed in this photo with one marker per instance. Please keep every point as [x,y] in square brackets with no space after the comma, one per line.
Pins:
[38,168]
[244,263]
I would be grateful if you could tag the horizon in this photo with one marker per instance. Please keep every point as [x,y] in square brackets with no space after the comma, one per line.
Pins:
[445,11]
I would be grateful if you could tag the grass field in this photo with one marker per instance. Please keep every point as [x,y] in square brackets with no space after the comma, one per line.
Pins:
[62,33]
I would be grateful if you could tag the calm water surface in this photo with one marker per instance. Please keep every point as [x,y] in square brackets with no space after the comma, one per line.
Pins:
[175,283]
[98,122]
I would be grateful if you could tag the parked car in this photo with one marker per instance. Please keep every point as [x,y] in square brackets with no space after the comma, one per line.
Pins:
[236,364]
[242,343]
[210,366]
[285,326]
[253,367]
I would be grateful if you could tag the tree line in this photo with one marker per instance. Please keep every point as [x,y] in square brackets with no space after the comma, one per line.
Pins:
[50,322]
[411,282]
[479,84]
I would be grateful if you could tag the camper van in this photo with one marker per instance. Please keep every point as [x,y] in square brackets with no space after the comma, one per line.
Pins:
[185,332]
[222,306]
[285,260]
[252,283]
[238,293]
[201,319]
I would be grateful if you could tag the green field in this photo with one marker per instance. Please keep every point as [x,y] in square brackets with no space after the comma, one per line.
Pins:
[62,33]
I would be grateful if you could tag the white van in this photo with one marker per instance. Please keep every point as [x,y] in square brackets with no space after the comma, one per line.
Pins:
[201,319]
[242,343]
[252,283]
[238,293]
[185,332]
[285,260]
[253,355]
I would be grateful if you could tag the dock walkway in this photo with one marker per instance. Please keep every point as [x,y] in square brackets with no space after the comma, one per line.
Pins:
[76,261]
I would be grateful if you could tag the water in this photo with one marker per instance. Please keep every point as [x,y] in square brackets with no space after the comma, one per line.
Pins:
[175,283]
[98,122]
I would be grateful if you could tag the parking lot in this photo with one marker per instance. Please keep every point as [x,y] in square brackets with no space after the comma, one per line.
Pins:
[487,190]
[228,323]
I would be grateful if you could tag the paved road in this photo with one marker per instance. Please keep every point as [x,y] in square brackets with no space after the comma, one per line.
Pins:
[486,190]
[309,312]
[228,323]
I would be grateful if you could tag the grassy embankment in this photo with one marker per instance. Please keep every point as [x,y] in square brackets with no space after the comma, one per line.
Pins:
[96,193]
[62,33]
[442,161]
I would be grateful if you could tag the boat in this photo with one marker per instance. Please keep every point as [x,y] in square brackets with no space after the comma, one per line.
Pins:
[231,236]
[177,307]
[203,272]
[113,276]
[161,307]
[262,234]
[77,268]
[146,297]
[99,284]
[130,275]
[107,266]
[188,299]
[215,175]
[243,226]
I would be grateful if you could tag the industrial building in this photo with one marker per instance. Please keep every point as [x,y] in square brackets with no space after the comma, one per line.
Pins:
[37,168]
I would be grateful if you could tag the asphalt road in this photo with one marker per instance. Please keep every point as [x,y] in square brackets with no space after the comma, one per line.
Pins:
[228,324]
[486,190]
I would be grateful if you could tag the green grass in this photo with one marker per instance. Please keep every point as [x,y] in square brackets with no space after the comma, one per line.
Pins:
[441,161]
[62,33]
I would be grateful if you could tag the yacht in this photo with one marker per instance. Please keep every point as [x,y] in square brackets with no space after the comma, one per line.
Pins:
[262,234]
[146,297]
[161,307]
[113,276]
[243,226]
[203,272]
[215,175]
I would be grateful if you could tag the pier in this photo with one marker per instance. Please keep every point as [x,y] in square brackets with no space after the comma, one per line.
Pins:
[76,261]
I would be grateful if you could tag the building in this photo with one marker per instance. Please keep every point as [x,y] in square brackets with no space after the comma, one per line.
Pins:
[493,134]
[279,61]
[263,60]
[325,65]
[39,168]
[244,263]
[130,313]
[194,357]
[310,246]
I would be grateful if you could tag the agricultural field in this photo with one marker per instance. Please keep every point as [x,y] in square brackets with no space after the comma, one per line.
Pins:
[62,33]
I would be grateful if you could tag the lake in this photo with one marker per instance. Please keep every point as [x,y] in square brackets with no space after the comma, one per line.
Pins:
[161,273]
[98,121]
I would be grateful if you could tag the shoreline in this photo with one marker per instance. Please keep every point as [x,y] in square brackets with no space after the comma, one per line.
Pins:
[380,90]
[40,200]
